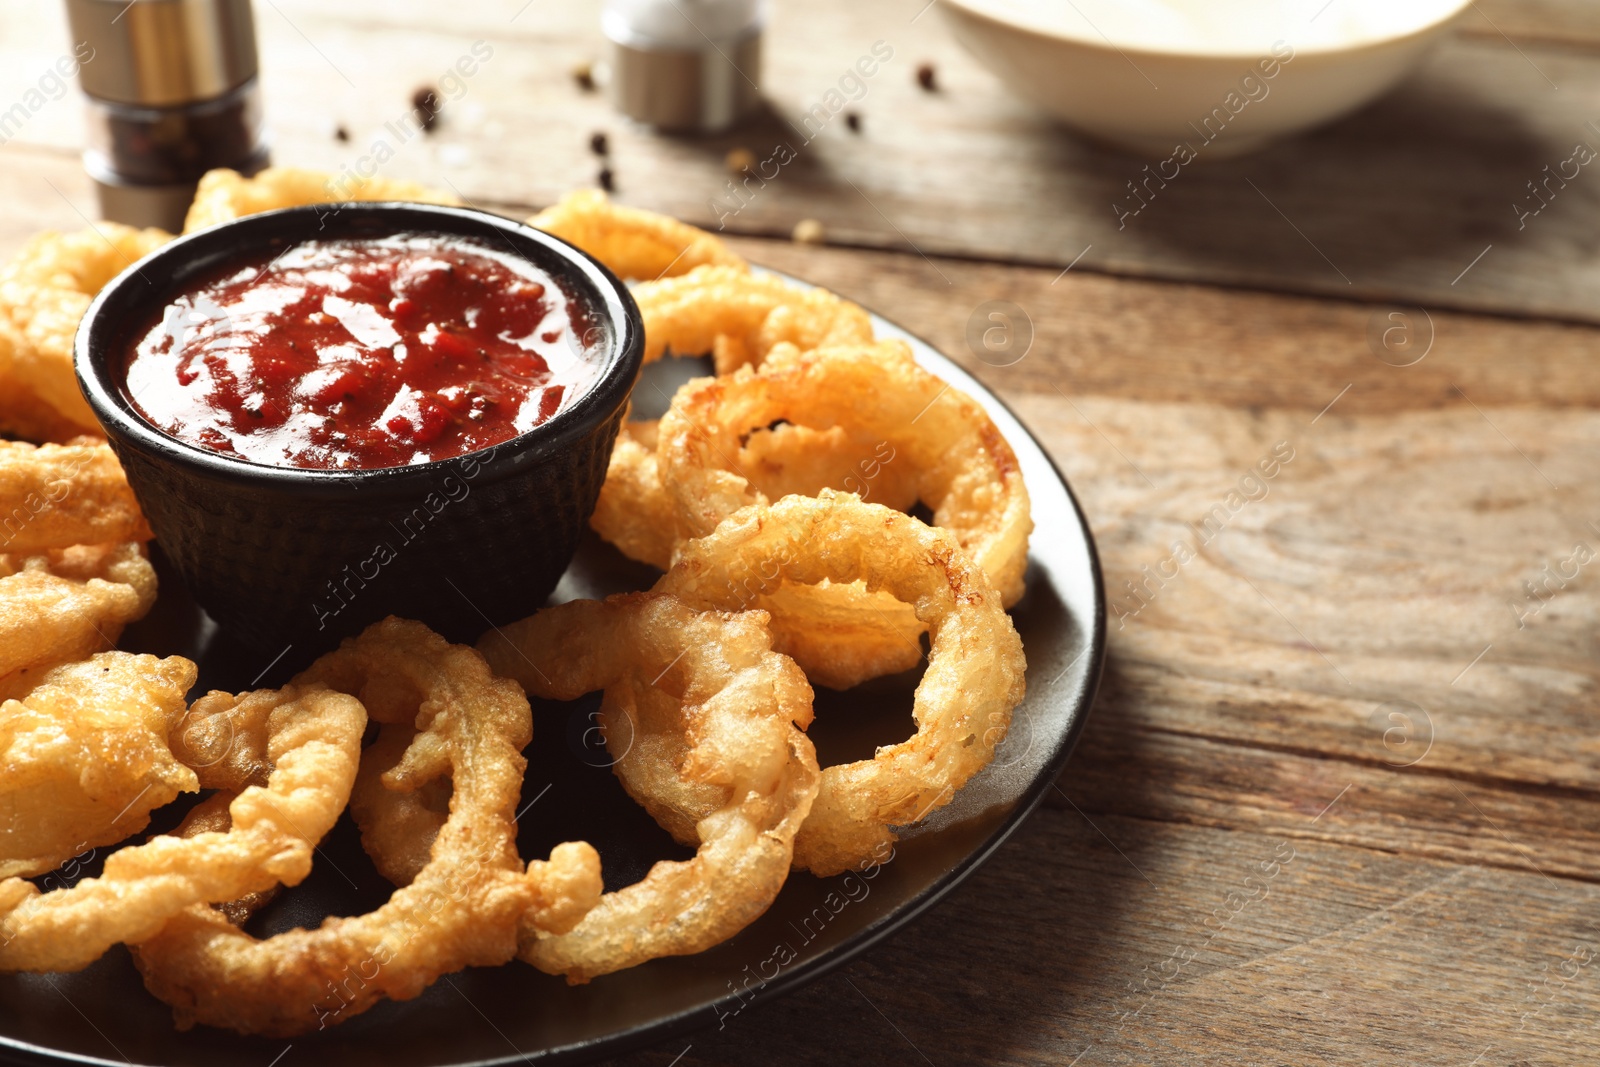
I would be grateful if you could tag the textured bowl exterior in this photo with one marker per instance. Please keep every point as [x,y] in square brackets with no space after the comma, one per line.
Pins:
[481,541]
[283,556]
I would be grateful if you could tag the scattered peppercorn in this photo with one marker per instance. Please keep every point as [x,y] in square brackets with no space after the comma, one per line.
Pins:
[425,102]
[740,160]
[341,134]
[852,119]
[607,182]
[598,144]
[809,232]
[925,77]
[583,74]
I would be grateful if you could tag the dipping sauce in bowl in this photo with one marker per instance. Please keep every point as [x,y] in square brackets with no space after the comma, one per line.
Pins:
[334,415]
[361,353]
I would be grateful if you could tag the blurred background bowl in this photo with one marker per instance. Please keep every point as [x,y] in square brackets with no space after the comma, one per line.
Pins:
[1146,75]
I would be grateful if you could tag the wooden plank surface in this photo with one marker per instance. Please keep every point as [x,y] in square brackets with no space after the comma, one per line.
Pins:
[1395,202]
[1105,940]
[1252,860]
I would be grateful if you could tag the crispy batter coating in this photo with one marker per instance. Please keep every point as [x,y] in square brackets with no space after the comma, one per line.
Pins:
[210,816]
[44,291]
[66,604]
[842,634]
[934,441]
[86,758]
[65,494]
[863,418]
[224,195]
[312,740]
[73,570]
[639,517]
[739,318]
[461,909]
[974,677]
[23,412]
[397,828]
[633,512]
[712,721]
[632,242]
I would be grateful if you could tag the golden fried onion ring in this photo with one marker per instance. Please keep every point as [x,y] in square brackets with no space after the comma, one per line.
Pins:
[44,291]
[956,459]
[639,517]
[631,242]
[633,512]
[461,909]
[739,318]
[66,604]
[723,734]
[224,195]
[312,738]
[211,816]
[86,758]
[72,572]
[398,828]
[865,419]
[23,412]
[974,676]
[57,495]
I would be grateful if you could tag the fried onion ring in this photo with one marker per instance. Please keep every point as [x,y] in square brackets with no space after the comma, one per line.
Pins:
[397,828]
[23,412]
[69,494]
[637,515]
[211,816]
[65,605]
[865,419]
[950,451]
[461,909]
[721,733]
[44,291]
[312,740]
[633,512]
[974,677]
[224,195]
[739,318]
[631,242]
[72,570]
[86,758]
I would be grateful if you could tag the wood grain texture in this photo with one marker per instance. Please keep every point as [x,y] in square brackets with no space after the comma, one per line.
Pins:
[1392,203]
[1096,939]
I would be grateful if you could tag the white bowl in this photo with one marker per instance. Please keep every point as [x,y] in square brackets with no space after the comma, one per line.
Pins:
[1222,77]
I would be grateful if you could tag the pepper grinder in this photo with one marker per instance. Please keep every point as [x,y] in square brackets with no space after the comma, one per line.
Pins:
[173,92]
[685,66]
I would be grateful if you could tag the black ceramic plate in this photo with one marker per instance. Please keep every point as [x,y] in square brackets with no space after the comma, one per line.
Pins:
[514,1013]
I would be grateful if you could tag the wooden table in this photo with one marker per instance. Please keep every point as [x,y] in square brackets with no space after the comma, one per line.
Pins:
[1338,801]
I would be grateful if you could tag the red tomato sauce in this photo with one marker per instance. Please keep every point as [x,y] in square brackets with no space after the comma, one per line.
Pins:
[363,353]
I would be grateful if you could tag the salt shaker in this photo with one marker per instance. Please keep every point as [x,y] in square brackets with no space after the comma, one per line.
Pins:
[685,66]
[173,92]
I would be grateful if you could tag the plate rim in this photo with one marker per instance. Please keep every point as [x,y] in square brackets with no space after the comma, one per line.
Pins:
[694,1019]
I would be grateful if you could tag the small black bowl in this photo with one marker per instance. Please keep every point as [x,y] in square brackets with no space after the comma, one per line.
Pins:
[289,555]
